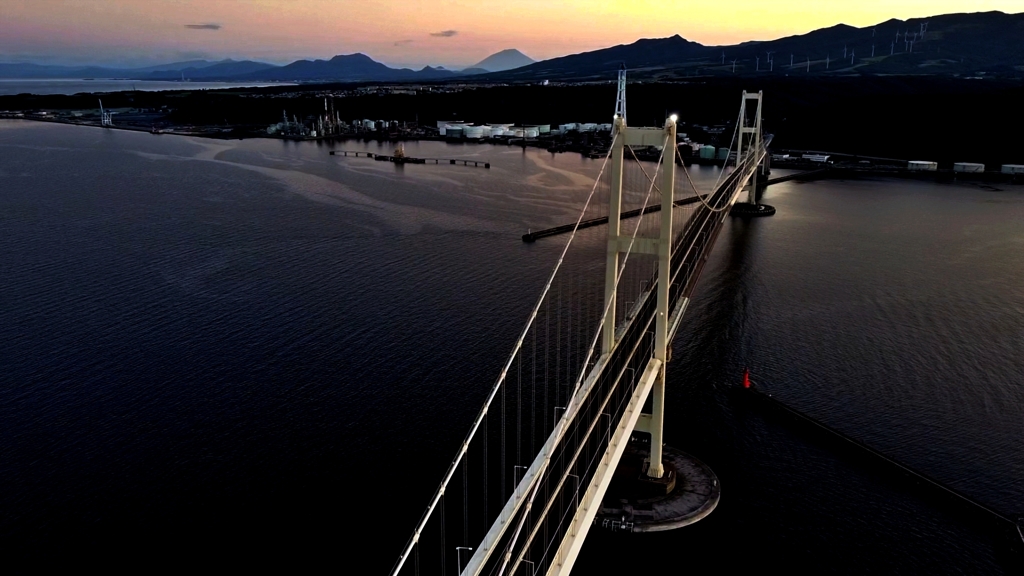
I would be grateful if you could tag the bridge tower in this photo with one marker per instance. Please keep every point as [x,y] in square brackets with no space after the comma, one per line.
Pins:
[661,247]
[620,99]
[749,136]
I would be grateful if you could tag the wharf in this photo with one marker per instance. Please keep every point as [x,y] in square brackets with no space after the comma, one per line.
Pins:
[801,176]
[533,236]
[410,159]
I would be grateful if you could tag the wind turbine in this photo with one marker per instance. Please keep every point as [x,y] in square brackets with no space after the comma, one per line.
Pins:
[808,63]
[758,58]
[733,65]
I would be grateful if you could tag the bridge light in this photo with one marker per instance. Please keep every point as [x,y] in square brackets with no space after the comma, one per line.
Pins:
[673,118]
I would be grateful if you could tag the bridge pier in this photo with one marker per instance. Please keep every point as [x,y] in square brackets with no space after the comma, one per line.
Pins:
[633,504]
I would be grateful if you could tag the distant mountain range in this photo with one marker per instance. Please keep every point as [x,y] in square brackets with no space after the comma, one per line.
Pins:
[974,44]
[951,44]
[344,68]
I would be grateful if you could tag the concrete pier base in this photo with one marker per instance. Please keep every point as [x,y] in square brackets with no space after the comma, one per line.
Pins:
[745,209]
[636,503]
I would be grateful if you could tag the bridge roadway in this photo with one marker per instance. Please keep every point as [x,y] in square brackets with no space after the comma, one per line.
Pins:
[606,399]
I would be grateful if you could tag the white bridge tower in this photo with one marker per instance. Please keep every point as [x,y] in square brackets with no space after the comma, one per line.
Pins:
[660,247]
[620,99]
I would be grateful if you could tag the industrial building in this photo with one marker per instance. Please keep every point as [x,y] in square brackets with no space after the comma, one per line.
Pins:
[968,167]
[922,166]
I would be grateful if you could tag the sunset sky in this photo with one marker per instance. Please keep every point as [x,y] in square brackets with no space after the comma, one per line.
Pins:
[410,32]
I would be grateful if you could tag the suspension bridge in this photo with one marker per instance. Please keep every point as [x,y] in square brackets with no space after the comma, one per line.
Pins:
[528,482]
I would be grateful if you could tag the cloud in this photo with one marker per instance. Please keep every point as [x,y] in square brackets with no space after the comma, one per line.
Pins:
[403,42]
[203,26]
[444,33]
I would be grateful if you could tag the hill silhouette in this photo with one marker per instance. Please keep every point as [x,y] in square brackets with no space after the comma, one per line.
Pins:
[975,44]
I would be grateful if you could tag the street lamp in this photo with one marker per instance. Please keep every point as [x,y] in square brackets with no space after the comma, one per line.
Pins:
[458,552]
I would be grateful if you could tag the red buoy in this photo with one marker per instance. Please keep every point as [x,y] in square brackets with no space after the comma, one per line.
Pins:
[746,378]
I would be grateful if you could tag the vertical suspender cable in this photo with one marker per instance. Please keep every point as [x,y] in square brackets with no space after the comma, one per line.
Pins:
[519,411]
[568,338]
[486,463]
[533,403]
[558,345]
[443,544]
[547,357]
[465,500]
[503,442]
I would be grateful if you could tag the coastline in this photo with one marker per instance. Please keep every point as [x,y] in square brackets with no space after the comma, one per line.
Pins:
[840,171]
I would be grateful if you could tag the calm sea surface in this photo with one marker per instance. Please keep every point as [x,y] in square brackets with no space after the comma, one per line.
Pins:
[256,352]
[77,85]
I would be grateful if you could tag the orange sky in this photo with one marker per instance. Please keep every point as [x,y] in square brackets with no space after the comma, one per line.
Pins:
[412,32]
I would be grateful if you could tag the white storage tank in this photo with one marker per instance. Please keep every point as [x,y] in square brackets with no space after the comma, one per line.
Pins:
[517,133]
[604,128]
[444,130]
[567,127]
[708,152]
[455,131]
[588,127]
[1013,168]
[922,166]
[488,131]
[969,167]
[532,132]
[369,125]
[544,128]
[474,132]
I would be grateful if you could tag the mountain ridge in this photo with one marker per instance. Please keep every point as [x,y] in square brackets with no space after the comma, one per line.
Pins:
[959,44]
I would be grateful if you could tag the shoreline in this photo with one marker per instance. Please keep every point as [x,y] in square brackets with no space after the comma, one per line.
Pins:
[829,172]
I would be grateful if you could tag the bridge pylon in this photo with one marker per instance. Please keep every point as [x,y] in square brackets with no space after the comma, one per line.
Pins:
[660,247]
[749,137]
[620,98]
